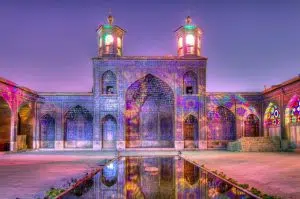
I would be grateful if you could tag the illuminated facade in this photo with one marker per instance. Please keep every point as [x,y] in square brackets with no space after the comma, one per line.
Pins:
[146,102]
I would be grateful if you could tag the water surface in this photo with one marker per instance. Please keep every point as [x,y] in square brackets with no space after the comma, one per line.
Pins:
[155,178]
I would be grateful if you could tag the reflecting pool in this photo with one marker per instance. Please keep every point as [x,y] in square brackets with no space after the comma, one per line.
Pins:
[157,178]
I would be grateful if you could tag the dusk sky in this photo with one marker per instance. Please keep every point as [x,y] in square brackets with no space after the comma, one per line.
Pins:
[48,45]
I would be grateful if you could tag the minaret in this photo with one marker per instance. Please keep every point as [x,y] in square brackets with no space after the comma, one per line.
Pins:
[189,39]
[110,39]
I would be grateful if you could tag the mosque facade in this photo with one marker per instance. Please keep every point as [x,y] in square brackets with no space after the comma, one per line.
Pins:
[143,102]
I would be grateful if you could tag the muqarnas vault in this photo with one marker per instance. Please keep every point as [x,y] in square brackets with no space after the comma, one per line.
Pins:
[146,102]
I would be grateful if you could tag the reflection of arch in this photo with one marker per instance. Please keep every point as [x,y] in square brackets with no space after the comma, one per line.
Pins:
[5,125]
[149,113]
[222,124]
[47,131]
[109,83]
[109,131]
[272,120]
[190,85]
[25,127]
[251,126]
[191,173]
[110,174]
[292,120]
[190,131]
[78,128]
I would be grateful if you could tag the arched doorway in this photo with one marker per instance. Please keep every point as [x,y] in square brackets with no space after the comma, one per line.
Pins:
[190,131]
[47,131]
[109,132]
[25,127]
[5,125]
[251,126]
[78,128]
[222,127]
[149,113]
[272,120]
[292,120]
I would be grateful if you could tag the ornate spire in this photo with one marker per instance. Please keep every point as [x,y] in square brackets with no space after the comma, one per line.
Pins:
[188,20]
[110,18]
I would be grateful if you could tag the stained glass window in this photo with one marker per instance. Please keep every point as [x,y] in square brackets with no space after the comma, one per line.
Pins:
[273,116]
[295,110]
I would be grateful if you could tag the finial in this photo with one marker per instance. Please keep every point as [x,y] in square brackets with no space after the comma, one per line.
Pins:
[188,20]
[110,18]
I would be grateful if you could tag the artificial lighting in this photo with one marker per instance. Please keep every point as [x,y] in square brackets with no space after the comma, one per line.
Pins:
[180,42]
[109,39]
[119,42]
[190,40]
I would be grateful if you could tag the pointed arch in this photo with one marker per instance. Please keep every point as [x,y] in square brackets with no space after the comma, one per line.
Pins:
[78,131]
[191,132]
[190,83]
[109,131]
[251,126]
[292,120]
[272,120]
[149,113]
[109,83]
[25,127]
[47,131]
[222,127]
[5,125]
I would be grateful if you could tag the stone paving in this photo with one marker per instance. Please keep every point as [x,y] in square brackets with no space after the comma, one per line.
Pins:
[23,175]
[28,175]
[272,173]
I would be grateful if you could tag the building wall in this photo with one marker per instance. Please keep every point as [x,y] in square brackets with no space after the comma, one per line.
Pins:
[281,96]
[59,106]
[21,107]
[128,71]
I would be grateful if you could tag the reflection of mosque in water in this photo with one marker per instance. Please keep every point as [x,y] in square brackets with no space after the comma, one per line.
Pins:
[146,102]
[158,178]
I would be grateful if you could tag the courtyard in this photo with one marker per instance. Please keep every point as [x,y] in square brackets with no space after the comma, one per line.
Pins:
[29,174]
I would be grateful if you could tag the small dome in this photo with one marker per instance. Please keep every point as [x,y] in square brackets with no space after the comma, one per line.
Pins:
[188,20]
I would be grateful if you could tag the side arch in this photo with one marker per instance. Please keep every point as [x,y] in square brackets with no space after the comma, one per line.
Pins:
[191,132]
[47,131]
[25,126]
[5,125]
[221,127]
[78,128]
[272,120]
[292,120]
[109,132]
[251,126]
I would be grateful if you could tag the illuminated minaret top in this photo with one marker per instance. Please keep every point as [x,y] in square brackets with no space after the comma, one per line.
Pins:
[110,39]
[188,39]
